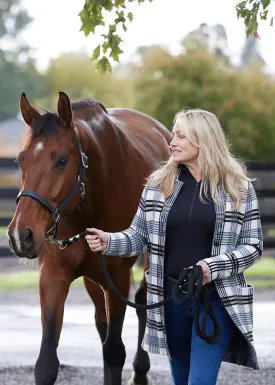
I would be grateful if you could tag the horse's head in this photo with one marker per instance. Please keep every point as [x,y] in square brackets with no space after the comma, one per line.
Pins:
[50,165]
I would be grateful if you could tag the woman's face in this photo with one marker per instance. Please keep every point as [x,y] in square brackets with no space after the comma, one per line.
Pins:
[182,150]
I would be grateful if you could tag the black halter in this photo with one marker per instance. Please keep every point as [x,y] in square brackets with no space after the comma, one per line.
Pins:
[58,211]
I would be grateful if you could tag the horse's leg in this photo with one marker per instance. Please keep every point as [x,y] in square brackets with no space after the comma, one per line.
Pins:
[141,363]
[97,295]
[53,293]
[113,348]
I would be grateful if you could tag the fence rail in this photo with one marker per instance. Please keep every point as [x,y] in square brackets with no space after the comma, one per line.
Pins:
[10,193]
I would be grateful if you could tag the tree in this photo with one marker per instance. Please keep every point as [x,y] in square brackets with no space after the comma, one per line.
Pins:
[243,100]
[73,74]
[13,19]
[15,79]
[16,76]
[92,16]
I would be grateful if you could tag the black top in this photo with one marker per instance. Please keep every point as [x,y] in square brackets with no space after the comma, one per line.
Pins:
[190,227]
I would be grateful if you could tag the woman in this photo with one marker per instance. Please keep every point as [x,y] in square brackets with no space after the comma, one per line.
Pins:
[199,208]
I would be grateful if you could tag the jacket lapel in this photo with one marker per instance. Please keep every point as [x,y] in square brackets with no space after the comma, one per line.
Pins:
[220,221]
[167,204]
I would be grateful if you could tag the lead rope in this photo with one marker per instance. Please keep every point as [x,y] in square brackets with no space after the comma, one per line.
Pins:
[191,275]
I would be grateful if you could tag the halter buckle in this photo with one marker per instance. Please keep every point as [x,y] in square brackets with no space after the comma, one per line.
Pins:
[82,189]
[84,159]
[56,216]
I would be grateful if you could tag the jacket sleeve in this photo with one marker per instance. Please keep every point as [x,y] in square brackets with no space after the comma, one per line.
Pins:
[132,241]
[249,247]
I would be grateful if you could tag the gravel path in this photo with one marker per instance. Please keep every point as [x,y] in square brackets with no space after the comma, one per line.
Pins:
[80,348]
[69,375]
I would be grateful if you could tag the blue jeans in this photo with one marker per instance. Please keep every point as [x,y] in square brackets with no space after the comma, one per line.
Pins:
[194,361]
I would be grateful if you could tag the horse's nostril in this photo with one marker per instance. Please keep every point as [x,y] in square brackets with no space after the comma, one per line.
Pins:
[27,239]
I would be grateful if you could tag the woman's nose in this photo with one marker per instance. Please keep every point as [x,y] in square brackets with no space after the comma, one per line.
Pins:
[172,142]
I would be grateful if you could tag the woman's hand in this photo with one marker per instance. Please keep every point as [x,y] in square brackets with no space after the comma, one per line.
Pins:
[99,241]
[205,270]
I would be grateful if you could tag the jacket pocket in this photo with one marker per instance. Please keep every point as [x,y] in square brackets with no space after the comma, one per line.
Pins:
[246,306]
[247,290]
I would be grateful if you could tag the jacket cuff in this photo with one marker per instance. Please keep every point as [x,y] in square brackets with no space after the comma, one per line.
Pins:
[118,244]
[212,268]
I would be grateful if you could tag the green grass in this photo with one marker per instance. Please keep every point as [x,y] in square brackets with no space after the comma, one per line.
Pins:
[264,268]
[19,281]
[264,284]
[8,214]
[28,280]
[3,231]
[271,232]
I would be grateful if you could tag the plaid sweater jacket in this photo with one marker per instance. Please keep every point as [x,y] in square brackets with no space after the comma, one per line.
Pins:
[237,245]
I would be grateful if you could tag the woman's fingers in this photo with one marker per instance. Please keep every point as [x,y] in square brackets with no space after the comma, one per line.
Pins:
[94,241]
[93,230]
[91,237]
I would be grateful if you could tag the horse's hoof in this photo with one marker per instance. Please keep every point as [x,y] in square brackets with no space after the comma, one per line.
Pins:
[132,382]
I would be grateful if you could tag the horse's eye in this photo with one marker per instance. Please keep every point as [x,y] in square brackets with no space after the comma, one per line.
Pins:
[61,162]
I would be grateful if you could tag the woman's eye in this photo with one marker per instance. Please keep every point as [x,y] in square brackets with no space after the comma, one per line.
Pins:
[62,162]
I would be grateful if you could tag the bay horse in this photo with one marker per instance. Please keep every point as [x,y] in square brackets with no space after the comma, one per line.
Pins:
[91,162]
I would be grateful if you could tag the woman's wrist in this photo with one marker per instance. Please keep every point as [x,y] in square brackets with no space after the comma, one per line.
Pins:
[108,243]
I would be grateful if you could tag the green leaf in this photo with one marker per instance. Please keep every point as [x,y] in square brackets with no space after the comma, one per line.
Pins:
[112,28]
[96,53]
[242,4]
[263,15]
[265,3]
[252,26]
[103,65]
[114,55]
[105,46]
[130,16]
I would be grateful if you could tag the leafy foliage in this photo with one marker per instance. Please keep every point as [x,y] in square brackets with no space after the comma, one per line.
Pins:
[15,76]
[250,11]
[93,16]
[243,100]
[13,19]
[74,74]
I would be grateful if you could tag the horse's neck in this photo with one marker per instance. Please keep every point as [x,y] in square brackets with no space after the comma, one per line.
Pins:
[107,153]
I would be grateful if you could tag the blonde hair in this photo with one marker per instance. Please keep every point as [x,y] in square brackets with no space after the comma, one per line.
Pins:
[219,167]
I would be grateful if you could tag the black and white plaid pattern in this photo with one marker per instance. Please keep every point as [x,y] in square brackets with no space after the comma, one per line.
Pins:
[237,245]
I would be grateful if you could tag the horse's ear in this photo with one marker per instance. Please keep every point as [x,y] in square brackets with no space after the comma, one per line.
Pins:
[64,109]
[27,110]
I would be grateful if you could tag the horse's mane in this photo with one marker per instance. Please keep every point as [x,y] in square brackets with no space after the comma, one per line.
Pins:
[48,123]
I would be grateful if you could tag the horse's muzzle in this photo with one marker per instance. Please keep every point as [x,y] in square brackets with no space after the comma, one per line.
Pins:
[24,247]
